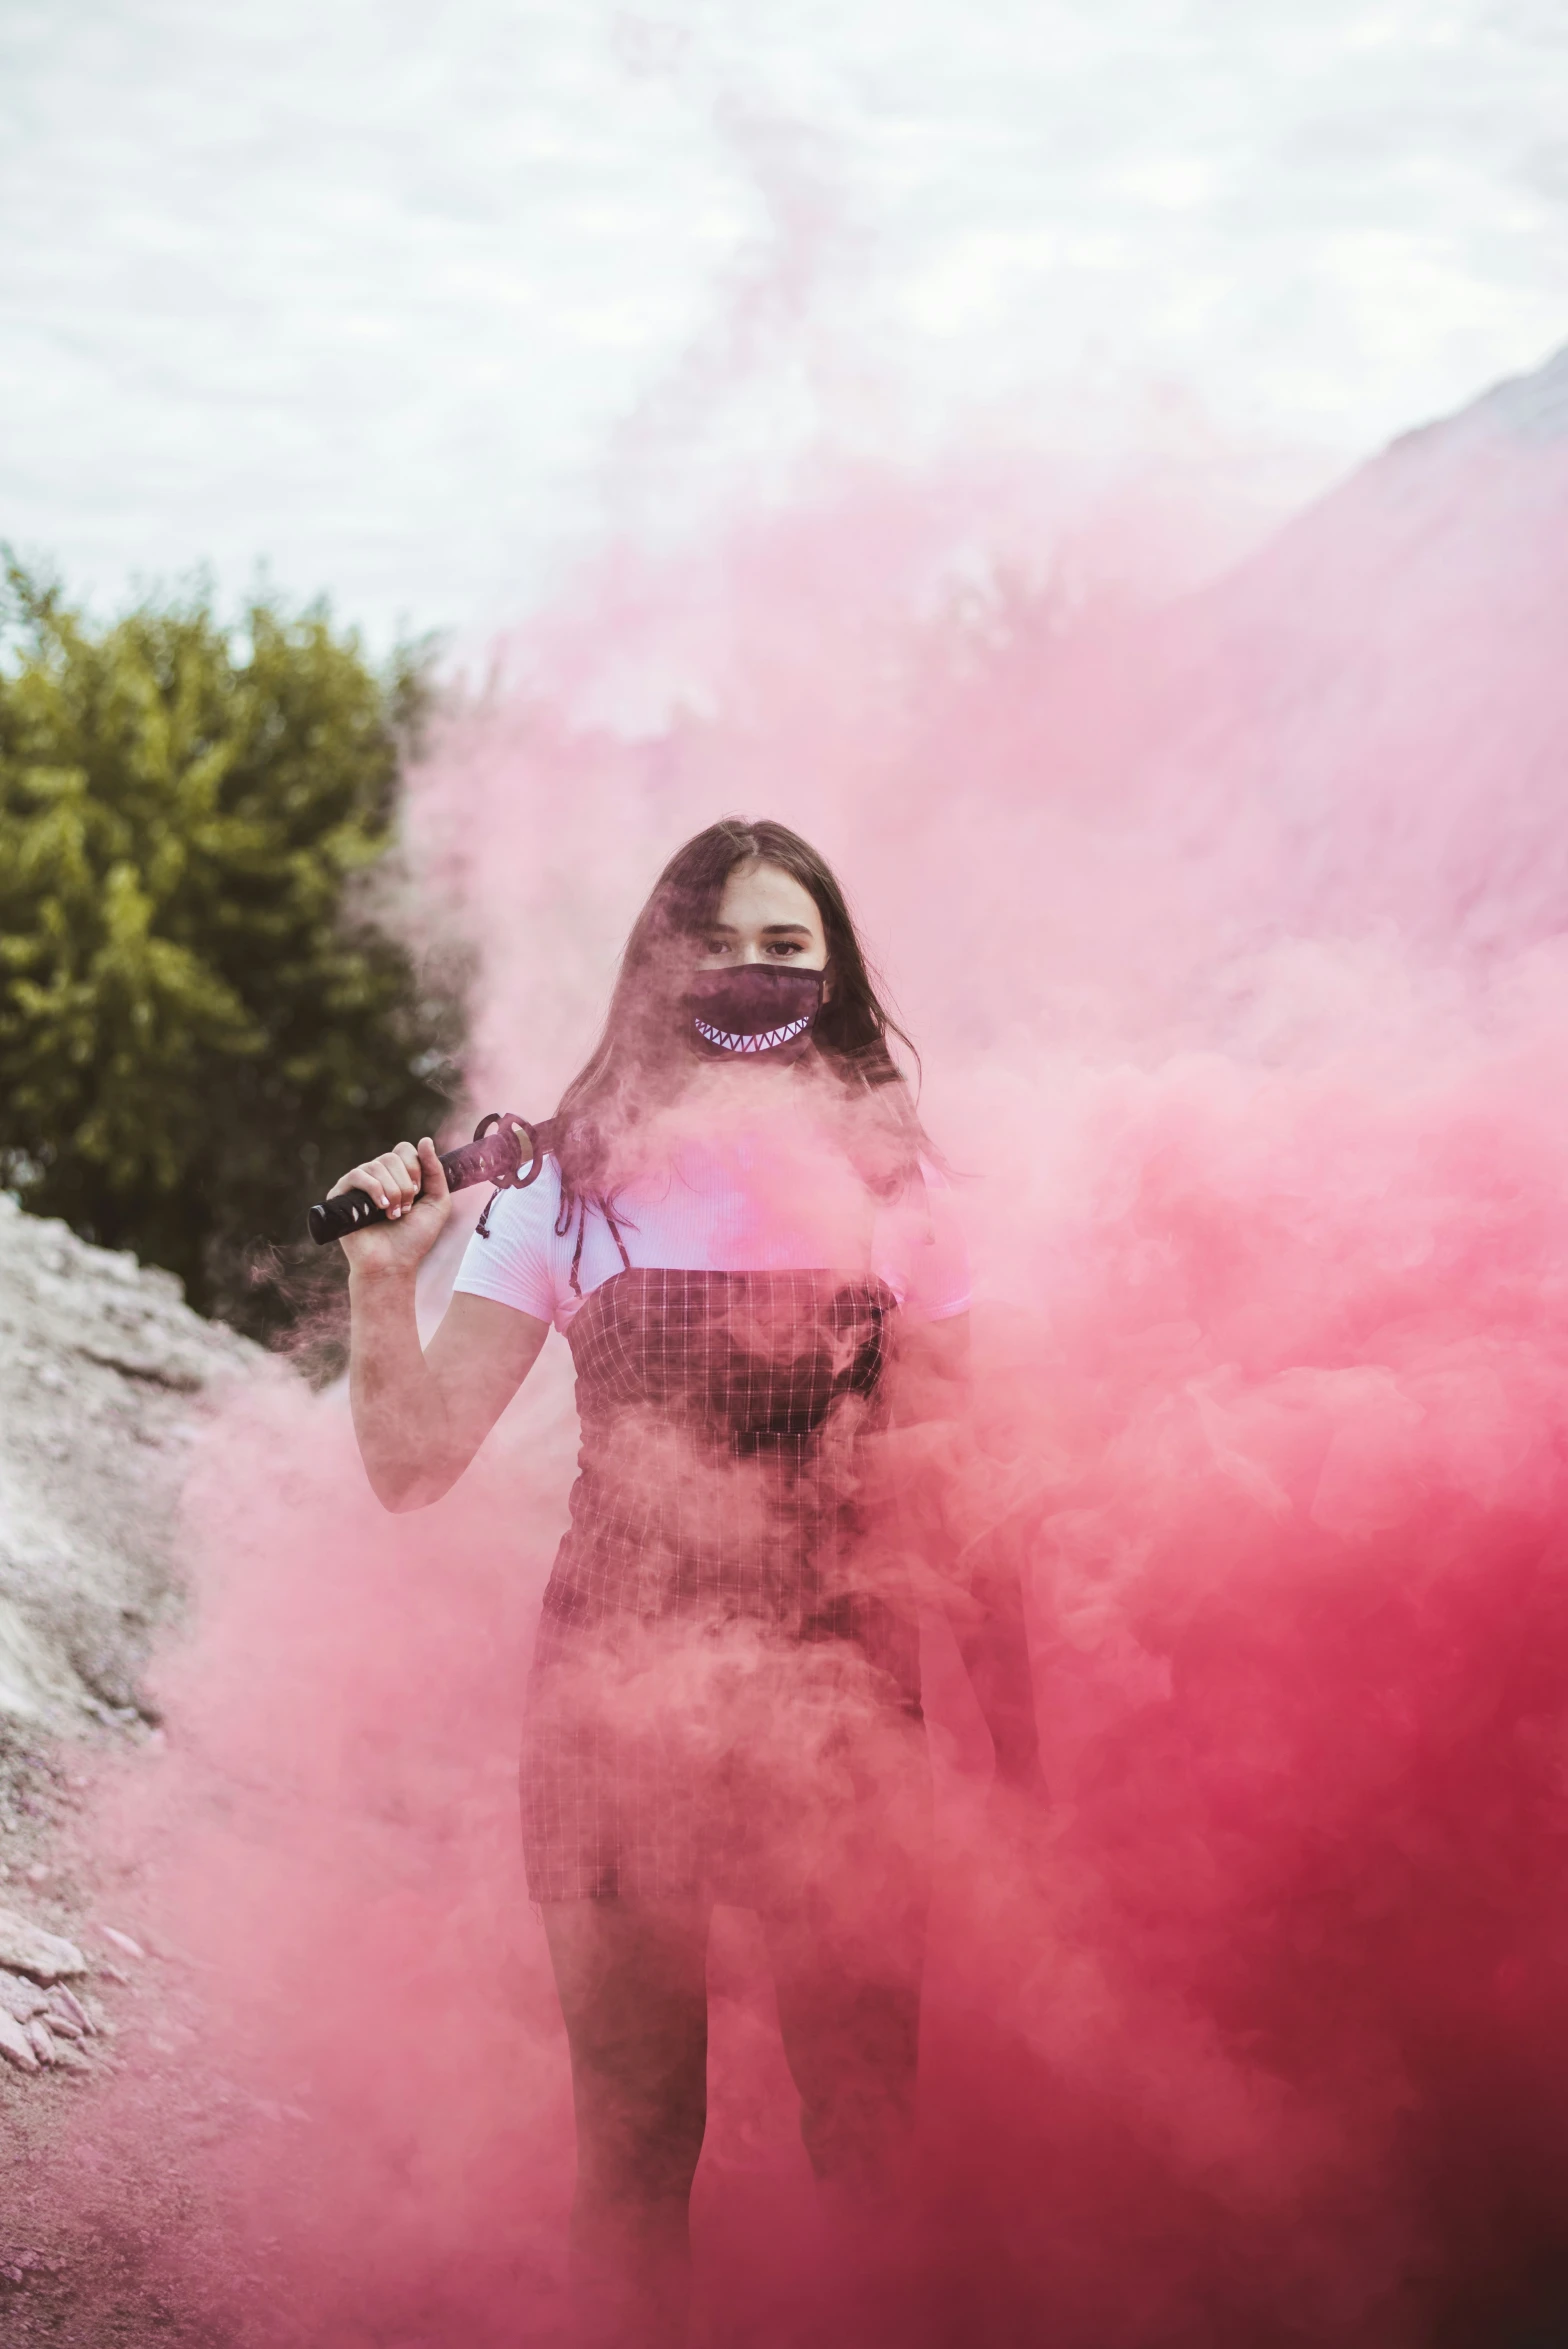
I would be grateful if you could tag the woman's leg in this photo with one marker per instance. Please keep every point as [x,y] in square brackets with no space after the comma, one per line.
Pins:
[848,1952]
[632,1978]
[849,2015]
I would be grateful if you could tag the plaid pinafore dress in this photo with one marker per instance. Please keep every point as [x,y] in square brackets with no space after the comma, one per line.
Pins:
[720,1664]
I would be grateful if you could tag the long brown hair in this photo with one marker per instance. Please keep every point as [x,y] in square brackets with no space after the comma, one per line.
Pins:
[644,1049]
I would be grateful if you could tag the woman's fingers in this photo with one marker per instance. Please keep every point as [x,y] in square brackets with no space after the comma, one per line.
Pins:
[358,1178]
[393,1180]
[400,1178]
[432,1172]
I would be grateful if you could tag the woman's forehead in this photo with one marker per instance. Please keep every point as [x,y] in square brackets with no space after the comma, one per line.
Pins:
[758,895]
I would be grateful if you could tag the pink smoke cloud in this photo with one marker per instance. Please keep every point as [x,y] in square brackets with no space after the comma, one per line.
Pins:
[1229,927]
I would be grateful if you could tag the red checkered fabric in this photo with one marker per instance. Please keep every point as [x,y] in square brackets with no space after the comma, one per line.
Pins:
[707,1635]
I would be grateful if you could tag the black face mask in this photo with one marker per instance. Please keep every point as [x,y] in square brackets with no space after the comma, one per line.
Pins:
[755,1009]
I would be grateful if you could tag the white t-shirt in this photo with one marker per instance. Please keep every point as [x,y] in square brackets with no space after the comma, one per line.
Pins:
[729,1207]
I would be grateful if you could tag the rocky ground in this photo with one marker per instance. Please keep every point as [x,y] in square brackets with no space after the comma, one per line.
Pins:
[104,1372]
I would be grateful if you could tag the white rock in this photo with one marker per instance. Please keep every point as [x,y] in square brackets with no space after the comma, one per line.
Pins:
[122,1941]
[35,1680]
[21,1999]
[63,2002]
[27,1949]
[41,2040]
[15,2045]
[97,1355]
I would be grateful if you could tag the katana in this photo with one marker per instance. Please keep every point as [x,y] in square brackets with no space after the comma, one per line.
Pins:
[503,1145]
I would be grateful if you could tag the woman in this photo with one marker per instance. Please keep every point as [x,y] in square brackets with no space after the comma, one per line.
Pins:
[759,1274]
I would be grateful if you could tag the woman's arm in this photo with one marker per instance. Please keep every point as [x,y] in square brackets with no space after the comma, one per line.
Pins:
[422,1413]
[987,1614]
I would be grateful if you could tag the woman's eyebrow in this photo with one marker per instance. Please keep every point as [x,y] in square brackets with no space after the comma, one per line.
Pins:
[785,930]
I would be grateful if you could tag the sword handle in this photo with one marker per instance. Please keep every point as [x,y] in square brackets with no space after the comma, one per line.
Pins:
[493,1156]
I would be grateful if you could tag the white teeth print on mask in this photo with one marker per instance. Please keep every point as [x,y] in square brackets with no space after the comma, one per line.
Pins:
[754,1012]
[768,1042]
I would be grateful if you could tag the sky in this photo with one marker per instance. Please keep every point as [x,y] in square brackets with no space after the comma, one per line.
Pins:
[413,306]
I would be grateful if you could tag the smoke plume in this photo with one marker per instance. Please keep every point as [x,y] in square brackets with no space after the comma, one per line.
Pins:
[1229,926]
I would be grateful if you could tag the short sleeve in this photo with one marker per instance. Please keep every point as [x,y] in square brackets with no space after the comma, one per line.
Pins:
[513,1261]
[922,1253]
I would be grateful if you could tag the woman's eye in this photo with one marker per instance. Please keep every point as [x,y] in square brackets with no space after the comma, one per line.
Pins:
[784,946]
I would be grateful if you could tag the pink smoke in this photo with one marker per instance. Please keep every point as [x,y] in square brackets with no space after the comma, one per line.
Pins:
[1230,928]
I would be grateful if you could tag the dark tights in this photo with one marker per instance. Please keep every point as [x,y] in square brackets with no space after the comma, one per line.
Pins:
[632,1977]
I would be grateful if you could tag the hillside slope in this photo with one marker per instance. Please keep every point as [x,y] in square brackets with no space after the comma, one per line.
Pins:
[101,1363]
[1372,713]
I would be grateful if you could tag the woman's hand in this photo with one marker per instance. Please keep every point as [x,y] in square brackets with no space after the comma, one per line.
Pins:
[410,1183]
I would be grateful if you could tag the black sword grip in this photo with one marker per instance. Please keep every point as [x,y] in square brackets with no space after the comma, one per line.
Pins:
[493,1156]
[350,1211]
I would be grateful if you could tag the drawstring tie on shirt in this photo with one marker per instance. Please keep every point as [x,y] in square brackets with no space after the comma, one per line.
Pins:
[482,1231]
[608,1213]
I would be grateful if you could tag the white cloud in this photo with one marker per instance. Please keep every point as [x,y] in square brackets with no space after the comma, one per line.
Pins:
[405,300]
